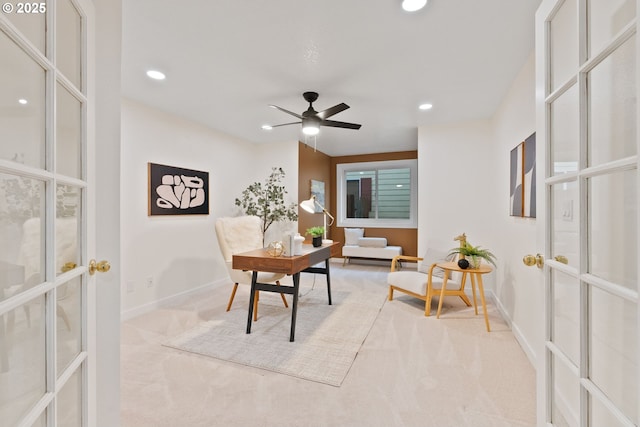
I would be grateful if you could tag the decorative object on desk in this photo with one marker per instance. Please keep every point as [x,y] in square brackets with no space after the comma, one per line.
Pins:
[523,179]
[316,234]
[266,201]
[475,253]
[463,264]
[310,206]
[177,191]
[275,249]
[297,244]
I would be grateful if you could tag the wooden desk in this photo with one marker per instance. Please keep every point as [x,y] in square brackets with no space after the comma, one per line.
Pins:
[259,260]
[476,276]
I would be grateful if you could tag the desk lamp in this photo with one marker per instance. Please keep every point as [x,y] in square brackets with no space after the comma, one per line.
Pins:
[310,206]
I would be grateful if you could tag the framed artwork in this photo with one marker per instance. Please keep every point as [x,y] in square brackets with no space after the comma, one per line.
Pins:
[317,189]
[522,198]
[177,191]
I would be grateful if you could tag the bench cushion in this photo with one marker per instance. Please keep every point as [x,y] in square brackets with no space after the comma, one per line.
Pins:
[387,252]
[372,242]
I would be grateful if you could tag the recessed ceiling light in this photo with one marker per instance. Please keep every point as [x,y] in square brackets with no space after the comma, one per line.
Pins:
[425,107]
[23,101]
[156,75]
[413,5]
[267,127]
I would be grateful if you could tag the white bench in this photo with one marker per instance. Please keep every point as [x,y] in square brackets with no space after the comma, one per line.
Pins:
[372,248]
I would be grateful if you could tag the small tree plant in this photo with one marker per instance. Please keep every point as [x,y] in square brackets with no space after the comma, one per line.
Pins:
[266,201]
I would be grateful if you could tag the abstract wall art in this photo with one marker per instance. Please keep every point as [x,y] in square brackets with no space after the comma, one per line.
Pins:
[177,191]
[522,201]
[317,189]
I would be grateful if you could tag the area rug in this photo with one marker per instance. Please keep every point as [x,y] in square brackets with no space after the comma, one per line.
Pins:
[327,337]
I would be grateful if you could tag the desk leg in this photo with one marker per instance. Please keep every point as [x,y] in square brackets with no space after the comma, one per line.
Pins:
[254,279]
[294,309]
[328,280]
[473,289]
[484,304]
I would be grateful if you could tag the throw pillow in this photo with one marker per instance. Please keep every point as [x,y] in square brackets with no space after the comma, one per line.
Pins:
[352,235]
[431,257]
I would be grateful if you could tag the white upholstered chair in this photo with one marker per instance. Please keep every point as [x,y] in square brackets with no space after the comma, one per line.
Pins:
[242,234]
[425,282]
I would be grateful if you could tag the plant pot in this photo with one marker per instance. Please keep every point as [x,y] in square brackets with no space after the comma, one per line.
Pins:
[316,241]
[475,261]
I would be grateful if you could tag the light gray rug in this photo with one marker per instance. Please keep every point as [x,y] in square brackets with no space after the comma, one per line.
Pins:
[327,337]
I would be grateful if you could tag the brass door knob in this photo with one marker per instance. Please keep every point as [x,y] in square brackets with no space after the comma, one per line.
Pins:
[102,266]
[537,260]
[561,258]
[68,266]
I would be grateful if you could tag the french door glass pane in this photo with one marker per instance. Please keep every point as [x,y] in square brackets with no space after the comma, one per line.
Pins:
[565,224]
[67,228]
[564,44]
[606,19]
[68,41]
[31,24]
[21,233]
[612,106]
[22,106]
[566,315]
[565,137]
[68,326]
[41,421]
[613,250]
[22,360]
[565,405]
[68,133]
[613,342]
[70,402]
[599,415]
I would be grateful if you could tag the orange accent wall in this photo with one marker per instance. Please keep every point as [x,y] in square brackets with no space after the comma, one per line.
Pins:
[321,167]
[313,165]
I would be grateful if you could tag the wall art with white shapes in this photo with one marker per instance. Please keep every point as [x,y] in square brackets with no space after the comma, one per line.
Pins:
[522,201]
[177,191]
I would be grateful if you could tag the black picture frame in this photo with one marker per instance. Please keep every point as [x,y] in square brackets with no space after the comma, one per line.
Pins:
[177,191]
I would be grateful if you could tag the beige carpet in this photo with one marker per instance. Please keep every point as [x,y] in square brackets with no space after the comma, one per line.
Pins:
[327,337]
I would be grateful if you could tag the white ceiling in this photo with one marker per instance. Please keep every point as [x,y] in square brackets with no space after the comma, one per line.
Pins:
[227,60]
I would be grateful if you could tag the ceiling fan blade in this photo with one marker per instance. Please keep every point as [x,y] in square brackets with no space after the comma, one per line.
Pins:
[286,124]
[286,111]
[331,111]
[333,123]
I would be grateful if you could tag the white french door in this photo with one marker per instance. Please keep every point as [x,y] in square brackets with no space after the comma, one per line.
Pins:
[587,92]
[46,214]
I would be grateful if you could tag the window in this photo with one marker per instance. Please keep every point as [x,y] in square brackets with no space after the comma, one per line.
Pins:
[377,194]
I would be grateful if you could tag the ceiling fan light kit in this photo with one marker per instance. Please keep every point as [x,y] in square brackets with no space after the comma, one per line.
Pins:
[413,5]
[312,120]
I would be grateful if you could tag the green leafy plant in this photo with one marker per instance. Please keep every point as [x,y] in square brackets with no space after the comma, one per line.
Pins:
[471,251]
[266,200]
[315,231]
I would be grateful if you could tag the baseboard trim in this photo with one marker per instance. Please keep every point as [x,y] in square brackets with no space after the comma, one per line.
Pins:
[524,343]
[170,300]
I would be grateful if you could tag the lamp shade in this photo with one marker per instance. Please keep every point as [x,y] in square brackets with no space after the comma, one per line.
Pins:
[309,205]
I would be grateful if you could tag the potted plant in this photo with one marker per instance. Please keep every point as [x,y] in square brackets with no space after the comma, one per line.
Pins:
[475,253]
[316,234]
[266,200]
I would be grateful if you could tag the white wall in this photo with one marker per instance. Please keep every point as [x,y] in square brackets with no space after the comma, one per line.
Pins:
[464,187]
[180,253]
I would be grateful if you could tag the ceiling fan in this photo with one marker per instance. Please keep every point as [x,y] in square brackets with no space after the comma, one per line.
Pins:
[312,120]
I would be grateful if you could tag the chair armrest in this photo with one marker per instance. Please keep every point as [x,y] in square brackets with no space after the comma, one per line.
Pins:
[396,259]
